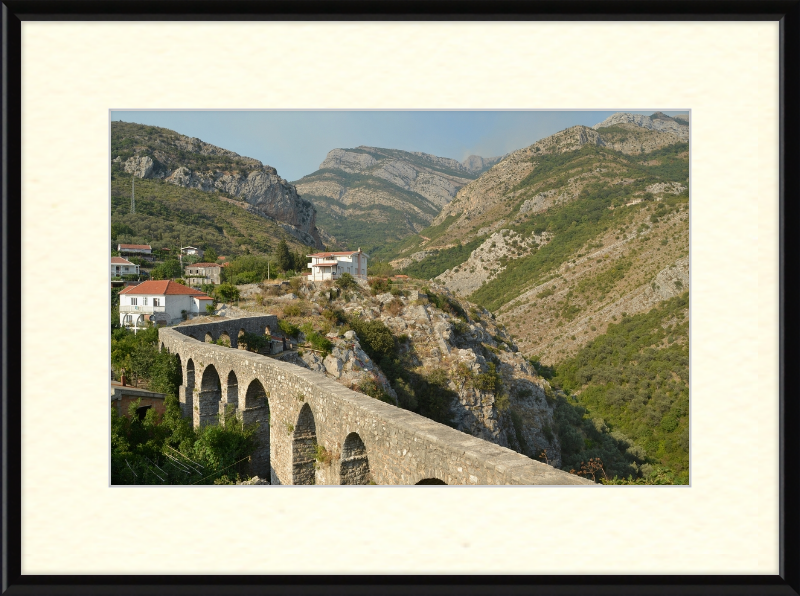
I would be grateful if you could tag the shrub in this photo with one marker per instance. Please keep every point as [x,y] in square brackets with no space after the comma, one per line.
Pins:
[395,307]
[288,328]
[210,309]
[371,388]
[292,310]
[254,342]
[346,281]
[320,342]
[378,285]
[227,292]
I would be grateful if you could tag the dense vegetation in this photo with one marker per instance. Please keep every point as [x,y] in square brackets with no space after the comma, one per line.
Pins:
[167,449]
[630,396]
[577,223]
[442,260]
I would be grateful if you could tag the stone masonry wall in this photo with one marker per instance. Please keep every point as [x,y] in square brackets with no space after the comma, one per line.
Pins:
[360,439]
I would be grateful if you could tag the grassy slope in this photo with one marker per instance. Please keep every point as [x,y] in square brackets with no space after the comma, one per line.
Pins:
[632,382]
[167,215]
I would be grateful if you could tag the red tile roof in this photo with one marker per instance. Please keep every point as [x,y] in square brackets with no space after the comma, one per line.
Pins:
[139,246]
[204,265]
[120,261]
[163,288]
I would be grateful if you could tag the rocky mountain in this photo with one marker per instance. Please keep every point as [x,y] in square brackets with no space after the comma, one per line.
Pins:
[369,196]
[478,165]
[149,152]
[422,349]
[560,238]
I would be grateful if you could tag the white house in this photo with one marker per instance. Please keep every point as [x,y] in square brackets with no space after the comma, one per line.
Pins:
[192,250]
[120,266]
[161,302]
[135,249]
[331,265]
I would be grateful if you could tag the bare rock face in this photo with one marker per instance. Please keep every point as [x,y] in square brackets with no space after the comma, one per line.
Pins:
[184,161]
[475,163]
[348,161]
[139,166]
[658,122]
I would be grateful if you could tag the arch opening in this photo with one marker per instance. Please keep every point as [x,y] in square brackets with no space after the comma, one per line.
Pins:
[354,467]
[209,338]
[431,481]
[225,338]
[256,411]
[209,398]
[239,337]
[304,448]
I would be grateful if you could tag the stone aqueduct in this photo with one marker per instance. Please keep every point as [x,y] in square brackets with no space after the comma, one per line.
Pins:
[297,410]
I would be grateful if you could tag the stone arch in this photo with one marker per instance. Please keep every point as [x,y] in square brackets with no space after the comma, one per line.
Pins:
[209,338]
[180,366]
[304,446]
[223,336]
[355,464]
[190,374]
[209,398]
[431,481]
[255,410]
[232,394]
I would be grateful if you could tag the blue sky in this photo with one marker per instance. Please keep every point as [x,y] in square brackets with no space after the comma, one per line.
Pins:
[296,142]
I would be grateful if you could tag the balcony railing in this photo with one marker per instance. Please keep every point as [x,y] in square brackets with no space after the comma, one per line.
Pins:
[146,309]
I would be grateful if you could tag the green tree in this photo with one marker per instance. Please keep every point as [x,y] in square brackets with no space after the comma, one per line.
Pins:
[346,281]
[210,256]
[227,292]
[285,260]
[169,269]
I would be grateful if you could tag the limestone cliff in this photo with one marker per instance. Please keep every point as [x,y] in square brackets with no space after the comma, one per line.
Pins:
[151,152]
[367,196]
[494,393]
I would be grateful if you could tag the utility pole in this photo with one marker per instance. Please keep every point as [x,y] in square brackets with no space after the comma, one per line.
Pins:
[133,191]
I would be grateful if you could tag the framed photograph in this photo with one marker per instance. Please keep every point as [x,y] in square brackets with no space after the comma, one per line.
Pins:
[683,118]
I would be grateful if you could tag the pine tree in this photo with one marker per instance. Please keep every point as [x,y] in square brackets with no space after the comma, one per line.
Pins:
[285,260]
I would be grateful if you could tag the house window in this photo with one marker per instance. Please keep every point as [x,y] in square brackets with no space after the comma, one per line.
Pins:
[144,301]
[156,302]
[134,301]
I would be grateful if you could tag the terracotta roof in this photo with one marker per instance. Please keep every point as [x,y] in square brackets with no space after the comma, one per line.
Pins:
[147,246]
[204,265]
[163,288]
[120,261]
[335,254]
[324,264]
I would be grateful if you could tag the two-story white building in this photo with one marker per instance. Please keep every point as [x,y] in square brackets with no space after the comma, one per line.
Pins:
[331,265]
[161,302]
[120,266]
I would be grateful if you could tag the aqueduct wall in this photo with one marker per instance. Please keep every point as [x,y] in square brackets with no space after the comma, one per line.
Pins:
[300,412]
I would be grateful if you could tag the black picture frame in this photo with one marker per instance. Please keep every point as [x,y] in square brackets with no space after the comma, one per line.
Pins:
[787,13]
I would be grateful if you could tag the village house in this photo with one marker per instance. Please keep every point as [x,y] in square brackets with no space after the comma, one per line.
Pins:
[192,250]
[120,266]
[164,302]
[331,265]
[198,274]
[122,395]
[140,250]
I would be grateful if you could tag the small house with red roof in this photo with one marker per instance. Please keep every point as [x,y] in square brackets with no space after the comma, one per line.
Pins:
[120,266]
[144,251]
[198,274]
[332,265]
[162,302]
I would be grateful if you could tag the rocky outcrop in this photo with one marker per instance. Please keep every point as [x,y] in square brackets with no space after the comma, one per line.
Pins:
[658,122]
[139,166]
[477,164]
[465,348]
[192,163]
